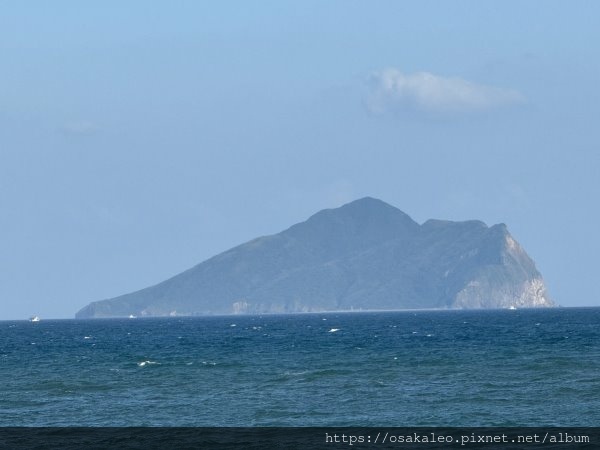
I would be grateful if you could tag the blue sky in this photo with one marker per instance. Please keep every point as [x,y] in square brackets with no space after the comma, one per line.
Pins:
[140,138]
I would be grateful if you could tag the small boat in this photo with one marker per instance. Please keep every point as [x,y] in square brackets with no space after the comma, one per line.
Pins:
[512,307]
[34,319]
[131,316]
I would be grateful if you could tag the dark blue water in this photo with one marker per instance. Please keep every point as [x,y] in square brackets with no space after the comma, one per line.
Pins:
[454,368]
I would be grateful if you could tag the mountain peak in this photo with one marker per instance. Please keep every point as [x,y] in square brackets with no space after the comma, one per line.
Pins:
[355,225]
[364,210]
[371,205]
[368,201]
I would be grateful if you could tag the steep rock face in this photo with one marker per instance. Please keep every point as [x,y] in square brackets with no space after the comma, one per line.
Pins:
[364,255]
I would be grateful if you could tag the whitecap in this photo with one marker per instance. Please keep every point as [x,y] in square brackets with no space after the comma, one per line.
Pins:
[294,374]
[333,330]
[233,325]
[87,337]
[143,363]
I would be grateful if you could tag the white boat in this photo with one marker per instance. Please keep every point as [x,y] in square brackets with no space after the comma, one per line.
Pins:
[131,316]
[34,319]
[512,307]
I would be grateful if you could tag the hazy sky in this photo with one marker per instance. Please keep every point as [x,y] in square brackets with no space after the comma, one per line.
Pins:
[139,138]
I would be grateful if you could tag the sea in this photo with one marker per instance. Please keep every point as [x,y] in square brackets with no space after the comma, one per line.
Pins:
[484,368]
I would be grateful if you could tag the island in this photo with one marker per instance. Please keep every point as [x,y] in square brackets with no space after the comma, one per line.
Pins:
[363,256]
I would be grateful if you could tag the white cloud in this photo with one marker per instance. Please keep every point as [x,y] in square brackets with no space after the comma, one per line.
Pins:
[392,90]
[82,127]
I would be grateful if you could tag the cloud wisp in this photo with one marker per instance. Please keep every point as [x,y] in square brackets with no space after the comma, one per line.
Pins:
[79,128]
[391,90]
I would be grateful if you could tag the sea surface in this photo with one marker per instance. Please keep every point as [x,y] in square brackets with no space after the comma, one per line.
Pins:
[418,368]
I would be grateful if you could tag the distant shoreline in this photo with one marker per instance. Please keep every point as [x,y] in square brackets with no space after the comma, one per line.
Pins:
[370,311]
